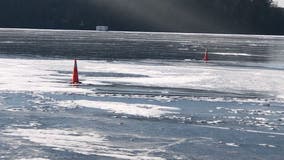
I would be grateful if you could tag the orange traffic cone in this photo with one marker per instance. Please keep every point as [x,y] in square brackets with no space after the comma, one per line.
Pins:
[75,79]
[206,58]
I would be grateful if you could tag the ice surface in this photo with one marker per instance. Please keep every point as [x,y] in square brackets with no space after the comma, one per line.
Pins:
[55,75]
[83,142]
[33,159]
[144,110]
[232,144]
[154,105]
[232,54]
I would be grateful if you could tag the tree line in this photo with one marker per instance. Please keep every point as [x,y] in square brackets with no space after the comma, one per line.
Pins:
[213,16]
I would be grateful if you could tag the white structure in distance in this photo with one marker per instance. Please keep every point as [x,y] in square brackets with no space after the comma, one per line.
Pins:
[102,28]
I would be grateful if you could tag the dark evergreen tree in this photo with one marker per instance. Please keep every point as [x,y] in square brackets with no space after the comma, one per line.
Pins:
[221,16]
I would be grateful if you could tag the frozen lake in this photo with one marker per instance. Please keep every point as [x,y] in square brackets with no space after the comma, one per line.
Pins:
[143,96]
